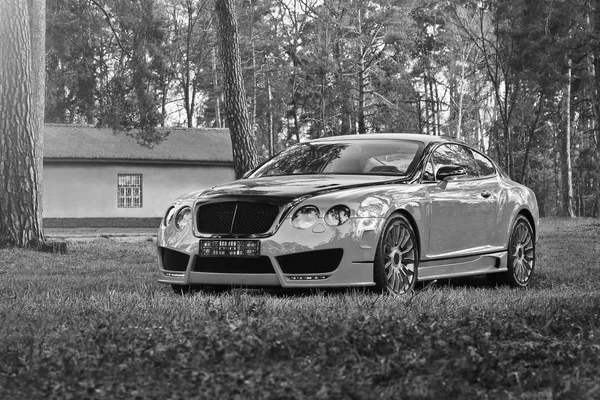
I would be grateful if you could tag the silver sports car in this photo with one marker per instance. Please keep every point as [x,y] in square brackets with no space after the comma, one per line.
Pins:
[378,210]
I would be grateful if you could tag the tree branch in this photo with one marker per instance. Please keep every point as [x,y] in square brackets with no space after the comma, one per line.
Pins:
[111,26]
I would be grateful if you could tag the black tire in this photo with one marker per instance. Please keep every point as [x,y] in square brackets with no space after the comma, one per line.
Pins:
[521,256]
[397,257]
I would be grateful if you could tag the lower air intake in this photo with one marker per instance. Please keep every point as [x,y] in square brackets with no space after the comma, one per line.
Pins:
[234,265]
[311,262]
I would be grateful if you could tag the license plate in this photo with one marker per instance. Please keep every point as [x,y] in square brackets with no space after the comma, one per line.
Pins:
[229,248]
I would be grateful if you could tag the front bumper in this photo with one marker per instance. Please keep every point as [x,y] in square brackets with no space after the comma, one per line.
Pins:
[355,241]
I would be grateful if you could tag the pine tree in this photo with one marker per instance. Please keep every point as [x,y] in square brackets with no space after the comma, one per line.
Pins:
[21,113]
[242,140]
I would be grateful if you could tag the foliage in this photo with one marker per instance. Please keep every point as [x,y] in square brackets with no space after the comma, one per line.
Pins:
[106,65]
[491,73]
[94,323]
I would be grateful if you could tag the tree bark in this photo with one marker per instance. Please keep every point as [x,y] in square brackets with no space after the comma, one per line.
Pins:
[566,169]
[532,130]
[270,115]
[217,92]
[596,77]
[362,81]
[37,24]
[244,149]
[21,119]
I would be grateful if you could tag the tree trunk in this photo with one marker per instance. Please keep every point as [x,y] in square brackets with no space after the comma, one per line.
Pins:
[532,130]
[254,74]
[244,150]
[566,170]
[37,26]
[362,126]
[217,93]
[426,105]
[346,123]
[419,114]
[270,115]
[433,113]
[596,75]
[438,111]
[322,105]
[21,120]
[362,81]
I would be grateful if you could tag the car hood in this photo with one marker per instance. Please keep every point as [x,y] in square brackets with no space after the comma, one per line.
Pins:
[286,188]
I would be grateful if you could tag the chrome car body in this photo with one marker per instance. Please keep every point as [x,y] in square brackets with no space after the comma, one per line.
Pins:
[387,228]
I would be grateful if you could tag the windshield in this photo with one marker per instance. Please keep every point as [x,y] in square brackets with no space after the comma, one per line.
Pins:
[381,157]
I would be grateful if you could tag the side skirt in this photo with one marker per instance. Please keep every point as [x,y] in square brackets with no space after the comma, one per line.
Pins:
[462,266]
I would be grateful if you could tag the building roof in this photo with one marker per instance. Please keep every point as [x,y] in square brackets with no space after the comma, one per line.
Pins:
[182,145]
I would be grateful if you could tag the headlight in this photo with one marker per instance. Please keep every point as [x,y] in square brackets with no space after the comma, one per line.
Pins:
[183,217]
[305,217]
[169,216]
[337,215]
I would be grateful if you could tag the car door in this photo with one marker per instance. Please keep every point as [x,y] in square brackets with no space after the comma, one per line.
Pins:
[465,209]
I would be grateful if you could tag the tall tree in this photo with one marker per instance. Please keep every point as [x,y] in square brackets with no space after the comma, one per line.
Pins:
[566,169]
[242,140]
[191,47]
[21,113]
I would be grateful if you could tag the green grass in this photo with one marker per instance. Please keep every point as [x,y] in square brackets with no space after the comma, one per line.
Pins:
[95,324]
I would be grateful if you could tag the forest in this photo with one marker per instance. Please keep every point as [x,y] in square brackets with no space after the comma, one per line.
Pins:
[519,79]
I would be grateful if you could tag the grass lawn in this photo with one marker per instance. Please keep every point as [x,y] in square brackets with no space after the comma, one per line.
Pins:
[95,324]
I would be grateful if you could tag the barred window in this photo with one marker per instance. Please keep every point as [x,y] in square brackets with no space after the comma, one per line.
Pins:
[129,191]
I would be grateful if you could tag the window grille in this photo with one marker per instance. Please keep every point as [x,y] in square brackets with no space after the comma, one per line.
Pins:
[129,191]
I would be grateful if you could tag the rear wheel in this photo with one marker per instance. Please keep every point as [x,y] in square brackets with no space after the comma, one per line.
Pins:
[521,255]
[397,257]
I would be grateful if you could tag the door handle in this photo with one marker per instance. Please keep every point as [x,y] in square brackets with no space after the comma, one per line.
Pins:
[485,194]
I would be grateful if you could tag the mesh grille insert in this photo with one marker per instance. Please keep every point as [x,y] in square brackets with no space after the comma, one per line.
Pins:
[250,218]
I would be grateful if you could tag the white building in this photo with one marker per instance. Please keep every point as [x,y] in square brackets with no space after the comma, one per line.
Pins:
[95,177]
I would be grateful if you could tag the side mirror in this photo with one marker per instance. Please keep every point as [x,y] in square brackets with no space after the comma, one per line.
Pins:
[448,171]
[445,172]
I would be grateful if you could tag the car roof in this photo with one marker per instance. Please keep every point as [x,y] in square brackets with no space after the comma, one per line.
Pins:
[426,139]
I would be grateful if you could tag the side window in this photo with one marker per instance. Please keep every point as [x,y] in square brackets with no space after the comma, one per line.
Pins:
[454,154]
[443,155]
[468,161]
[484,165]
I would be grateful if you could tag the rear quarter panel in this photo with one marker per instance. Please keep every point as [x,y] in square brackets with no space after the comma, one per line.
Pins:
[515,199]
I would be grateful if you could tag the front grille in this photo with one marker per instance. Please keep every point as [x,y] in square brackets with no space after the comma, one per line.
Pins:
[234,265]
[311,262]
[236,217]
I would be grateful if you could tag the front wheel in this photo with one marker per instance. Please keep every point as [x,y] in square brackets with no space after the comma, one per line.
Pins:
[397,257]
